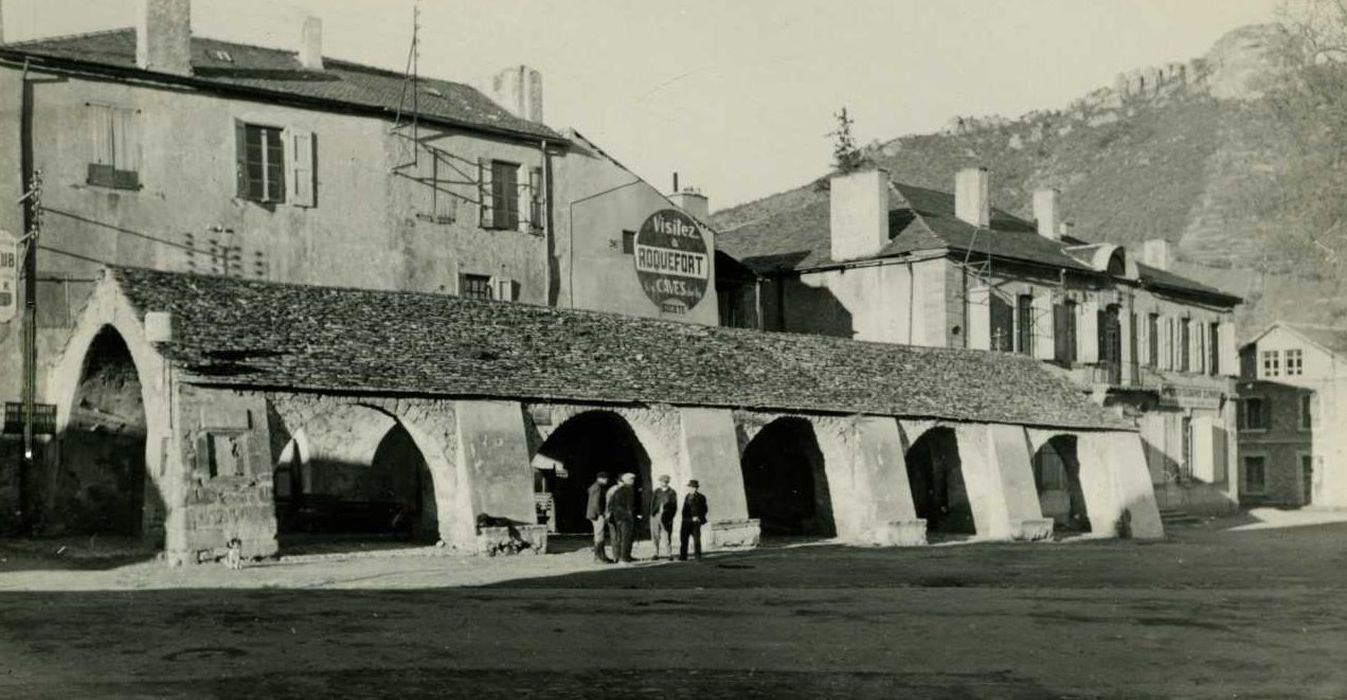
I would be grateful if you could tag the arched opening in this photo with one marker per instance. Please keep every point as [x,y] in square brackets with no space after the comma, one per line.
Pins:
[351,492]
[580,448]
[785,481]
[1057,477]
[938,492]
[101,486]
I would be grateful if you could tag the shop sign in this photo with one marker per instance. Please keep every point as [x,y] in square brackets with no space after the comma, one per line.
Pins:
[672,262]
[9,277]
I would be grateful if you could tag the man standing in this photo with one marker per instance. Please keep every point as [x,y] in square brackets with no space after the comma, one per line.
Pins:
[622,515]
[596,513]
[694,515]
[663,507]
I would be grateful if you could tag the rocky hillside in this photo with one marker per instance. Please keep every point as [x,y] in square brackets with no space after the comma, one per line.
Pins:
[1193,152]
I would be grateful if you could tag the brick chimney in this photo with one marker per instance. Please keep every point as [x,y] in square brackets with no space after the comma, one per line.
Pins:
[311,46]
[972,196]
[164,36]
[859,213]
[693,202]
[1045,214]
[1155,252]
[519,89]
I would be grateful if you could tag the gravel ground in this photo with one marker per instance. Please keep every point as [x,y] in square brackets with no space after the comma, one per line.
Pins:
[1216,611]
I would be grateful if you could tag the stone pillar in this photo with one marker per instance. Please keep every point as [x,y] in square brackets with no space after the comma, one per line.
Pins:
[1096,482]
[710,454]
[494,451]
[1000,482]
[867,478]
[1120,482]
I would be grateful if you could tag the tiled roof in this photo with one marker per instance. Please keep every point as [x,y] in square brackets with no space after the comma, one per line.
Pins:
[245,333]
[920,219]
[278,72]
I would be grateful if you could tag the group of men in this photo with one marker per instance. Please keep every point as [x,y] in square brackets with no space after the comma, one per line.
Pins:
[613,512]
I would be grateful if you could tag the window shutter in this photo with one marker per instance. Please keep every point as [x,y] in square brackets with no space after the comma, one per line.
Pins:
[535,197]
[299,170]
[1087,332]
[523,200]
[1044,349]
[126,135]
[1143,339]
[502,288]
[1061,331]
[1225,333]
[240,160]
[1167,343]
[980,318]
[486,217]
[100,135]
[1199,364]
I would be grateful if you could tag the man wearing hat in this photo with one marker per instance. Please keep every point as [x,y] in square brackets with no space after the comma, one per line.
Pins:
[694,514]
[622,516]
[597,515]
[663,507]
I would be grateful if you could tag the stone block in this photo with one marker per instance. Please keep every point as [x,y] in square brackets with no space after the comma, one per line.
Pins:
[730,534]
[512,539]
[1033,529]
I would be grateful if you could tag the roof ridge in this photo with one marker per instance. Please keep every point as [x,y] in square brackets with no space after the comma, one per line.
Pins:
[66,37]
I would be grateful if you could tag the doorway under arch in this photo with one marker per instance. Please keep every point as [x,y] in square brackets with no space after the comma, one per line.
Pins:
[581,447]
[102,486]
[938,490]
[785,482]
[1057,478]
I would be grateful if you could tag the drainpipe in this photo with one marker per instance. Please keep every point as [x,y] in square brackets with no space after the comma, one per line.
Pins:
[549,248]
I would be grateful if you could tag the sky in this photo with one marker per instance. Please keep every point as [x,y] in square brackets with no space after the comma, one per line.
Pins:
[737,96]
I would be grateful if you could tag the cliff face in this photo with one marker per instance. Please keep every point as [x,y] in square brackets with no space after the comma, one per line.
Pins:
[1196,153]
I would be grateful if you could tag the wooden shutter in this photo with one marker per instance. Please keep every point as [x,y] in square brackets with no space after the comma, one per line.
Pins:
[1199,358]
[1226,339]
[502,288]
[126,139]
[1143,339]
[523,200]
[486,214]
[299,167]
[1087,332]
[100,134]
[241,160]
[979,318]
[1044,349]
[1061,331]
[535,193]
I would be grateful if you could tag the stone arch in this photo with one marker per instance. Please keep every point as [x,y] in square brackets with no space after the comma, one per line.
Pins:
[785,479]
[1056,466]
[105,479]
[573,450]
[935,472]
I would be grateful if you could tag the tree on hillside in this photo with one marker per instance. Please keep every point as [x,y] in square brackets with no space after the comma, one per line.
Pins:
[846,156]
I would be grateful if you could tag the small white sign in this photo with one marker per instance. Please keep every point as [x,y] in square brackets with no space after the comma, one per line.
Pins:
[9,276]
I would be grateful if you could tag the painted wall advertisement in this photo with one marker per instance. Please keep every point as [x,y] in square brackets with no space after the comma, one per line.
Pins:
[672,262]
[9,277]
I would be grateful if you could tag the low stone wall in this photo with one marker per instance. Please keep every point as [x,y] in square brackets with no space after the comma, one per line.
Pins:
[731,534]
[512,539]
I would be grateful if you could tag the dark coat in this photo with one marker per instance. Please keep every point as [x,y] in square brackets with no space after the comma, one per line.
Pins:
[663,505]
[694,506]
[621,503]
[594,509]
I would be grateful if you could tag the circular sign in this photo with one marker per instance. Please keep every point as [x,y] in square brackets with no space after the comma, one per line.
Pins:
[672,262]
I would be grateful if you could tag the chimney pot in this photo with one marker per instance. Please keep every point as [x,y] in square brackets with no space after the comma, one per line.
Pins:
[164,36]
[311,48]
[1045,214]
[972,196]
[858,214]
[1156,253]
[693,202]
[519,89]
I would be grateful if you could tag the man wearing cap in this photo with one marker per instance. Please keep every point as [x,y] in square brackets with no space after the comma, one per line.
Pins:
[694,514]
[622,516]
[596,513]
[663,507]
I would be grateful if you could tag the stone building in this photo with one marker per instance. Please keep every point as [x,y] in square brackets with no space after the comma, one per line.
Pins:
[884,261]
[252,409]
[1292,415]
[163,150]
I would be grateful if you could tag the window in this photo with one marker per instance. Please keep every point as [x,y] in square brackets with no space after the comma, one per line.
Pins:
[1024,330]
[1309,405]
[1185,344]
[1064,332]
[1002,324]
[275,165]
[1153,336]
[1186,435]
[535,193]
[474,286]
[1295,363]
[114,157]
[1255,473]
[1214,349]
[629,242]
[1254,414]
[1271,363]
[504,195]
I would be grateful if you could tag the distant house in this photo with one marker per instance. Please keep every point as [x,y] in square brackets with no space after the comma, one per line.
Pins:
[1292,415]
[879,260]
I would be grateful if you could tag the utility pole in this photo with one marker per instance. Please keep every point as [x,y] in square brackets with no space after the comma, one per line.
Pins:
[32,220]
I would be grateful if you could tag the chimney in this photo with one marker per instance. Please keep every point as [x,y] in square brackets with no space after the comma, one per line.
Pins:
[693,202]
[519,89]
[859,213]
[164,36]
[1156,253]
[972,196]
[311,48]
[1045,213]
